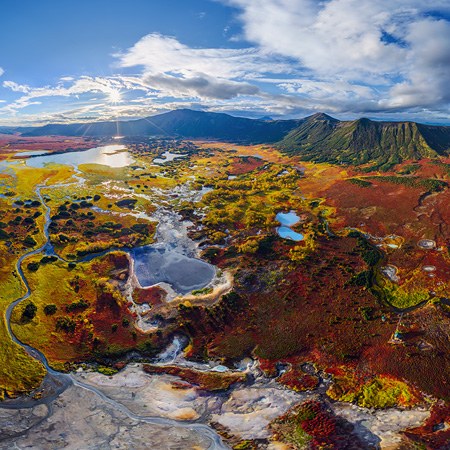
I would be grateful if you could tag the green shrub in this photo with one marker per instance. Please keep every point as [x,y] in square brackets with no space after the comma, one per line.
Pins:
[50,309]
[29,312]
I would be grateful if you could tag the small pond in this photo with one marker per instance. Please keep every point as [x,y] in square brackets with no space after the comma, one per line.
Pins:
[287,220]
[161,265]
[288,233]
[167,157]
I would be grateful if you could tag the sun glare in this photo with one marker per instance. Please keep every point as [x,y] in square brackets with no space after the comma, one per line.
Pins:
[115,96]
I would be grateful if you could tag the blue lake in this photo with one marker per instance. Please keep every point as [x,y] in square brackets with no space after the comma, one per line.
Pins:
[288,233]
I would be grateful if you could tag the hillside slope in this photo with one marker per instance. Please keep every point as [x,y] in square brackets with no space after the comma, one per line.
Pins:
[322,138]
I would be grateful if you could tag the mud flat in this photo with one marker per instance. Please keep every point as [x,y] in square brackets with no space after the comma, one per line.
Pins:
[153,395]
[245,409]
[135,409]
[249,410]
[79,413]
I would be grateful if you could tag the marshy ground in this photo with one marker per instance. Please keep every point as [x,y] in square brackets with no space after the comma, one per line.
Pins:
[98,238]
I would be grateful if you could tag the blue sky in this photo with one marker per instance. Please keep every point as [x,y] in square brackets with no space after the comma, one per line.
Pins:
[66,60]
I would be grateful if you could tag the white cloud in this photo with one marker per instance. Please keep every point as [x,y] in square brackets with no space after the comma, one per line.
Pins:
[380,58]
[399,48]
[2,71]
[70,87]
[176,69]
[163,54]
[201,86]
[428,78]
[15,87]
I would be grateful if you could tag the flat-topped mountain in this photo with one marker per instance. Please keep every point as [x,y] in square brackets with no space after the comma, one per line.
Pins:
[322,138]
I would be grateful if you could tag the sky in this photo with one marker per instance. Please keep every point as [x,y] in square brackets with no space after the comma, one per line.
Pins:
[67,61]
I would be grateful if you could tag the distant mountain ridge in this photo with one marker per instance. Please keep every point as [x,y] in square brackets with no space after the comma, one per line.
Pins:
[184,123]
[319,138]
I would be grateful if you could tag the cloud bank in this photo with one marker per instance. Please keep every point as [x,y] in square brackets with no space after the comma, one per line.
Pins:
[399,51]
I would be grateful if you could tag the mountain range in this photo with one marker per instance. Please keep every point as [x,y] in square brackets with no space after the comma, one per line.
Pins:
[318,138]
[183,123]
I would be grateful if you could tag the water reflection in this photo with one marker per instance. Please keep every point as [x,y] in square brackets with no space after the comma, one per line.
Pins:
[167,157]
[108,155]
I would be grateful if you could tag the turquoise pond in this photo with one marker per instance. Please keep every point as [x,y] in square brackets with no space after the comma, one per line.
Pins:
[288,233]
[287,220]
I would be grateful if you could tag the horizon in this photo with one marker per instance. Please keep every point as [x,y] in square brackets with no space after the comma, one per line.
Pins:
[79,62]
[265,118]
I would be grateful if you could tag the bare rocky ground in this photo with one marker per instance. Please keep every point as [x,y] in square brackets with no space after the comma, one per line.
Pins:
[80,419]
[133,409]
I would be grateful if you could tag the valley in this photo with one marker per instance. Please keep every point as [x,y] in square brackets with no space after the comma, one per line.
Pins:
[227,294]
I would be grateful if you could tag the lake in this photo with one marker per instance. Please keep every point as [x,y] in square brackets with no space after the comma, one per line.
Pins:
[288,233]
[108,155]
[287,219]
[167,157]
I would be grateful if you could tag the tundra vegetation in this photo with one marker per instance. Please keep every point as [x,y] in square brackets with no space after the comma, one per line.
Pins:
[324,300]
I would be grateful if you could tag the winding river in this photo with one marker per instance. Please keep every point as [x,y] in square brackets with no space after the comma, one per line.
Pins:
[59,389]
[55,383]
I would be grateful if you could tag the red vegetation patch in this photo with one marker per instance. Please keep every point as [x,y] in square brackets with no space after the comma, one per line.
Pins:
[383,208]
[298,381]
[321,426]
[434,434]
[10,143]
[311,304]
[153,296]
[245,164]
[91,318]
[269,367]
[421,356]
[312,422]
[313,312]
[113,262]
[209,381]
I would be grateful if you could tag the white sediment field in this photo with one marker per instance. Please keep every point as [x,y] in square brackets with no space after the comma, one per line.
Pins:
[79,418]
[381,428]
[134,409]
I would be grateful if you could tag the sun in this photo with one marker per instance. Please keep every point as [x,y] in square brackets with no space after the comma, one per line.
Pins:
[115,96]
